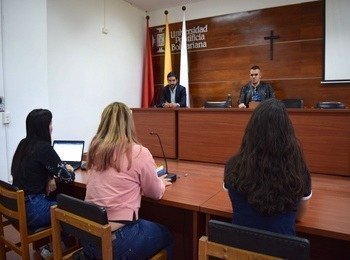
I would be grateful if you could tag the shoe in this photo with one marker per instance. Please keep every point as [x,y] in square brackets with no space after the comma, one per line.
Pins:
[45,252]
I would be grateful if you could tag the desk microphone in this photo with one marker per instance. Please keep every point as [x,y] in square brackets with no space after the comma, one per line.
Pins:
[170,176]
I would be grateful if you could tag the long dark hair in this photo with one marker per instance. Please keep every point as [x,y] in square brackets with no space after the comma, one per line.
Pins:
[37,128]
[269,168]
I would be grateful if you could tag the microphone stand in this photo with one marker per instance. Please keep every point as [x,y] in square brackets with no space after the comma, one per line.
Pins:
[170,176]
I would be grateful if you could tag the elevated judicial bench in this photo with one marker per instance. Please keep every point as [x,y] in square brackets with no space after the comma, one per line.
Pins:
[213,135]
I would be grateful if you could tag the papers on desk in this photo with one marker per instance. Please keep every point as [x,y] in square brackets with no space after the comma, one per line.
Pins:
[160,170]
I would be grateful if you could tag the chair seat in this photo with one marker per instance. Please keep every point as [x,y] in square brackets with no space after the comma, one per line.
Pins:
[14,223]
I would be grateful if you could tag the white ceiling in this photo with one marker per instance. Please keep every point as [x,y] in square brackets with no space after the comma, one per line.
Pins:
[151,5]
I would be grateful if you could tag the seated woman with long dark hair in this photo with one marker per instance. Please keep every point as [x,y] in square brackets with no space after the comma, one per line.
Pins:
[36,165]
[268,180]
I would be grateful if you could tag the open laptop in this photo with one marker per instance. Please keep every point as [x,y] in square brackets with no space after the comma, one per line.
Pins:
[70,152]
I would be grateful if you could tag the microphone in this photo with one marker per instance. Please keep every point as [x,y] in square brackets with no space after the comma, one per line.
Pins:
[170,176]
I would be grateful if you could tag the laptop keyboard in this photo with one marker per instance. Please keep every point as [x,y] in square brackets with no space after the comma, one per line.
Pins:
[76,165]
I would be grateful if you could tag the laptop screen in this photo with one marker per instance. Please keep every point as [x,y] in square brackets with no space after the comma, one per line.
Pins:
[69,151]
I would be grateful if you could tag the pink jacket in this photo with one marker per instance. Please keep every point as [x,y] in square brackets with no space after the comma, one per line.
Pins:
[120,192]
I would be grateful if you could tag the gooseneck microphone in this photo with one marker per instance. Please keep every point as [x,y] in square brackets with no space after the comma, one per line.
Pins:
[170,176]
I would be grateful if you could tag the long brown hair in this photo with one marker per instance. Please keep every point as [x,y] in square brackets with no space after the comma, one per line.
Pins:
[269,168]
[114,138]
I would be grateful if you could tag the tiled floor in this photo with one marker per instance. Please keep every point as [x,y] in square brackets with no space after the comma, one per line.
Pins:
[13,234]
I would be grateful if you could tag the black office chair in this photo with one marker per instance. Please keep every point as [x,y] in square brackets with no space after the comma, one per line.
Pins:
[216,104]
[330,105]
[293,103]
[229,241]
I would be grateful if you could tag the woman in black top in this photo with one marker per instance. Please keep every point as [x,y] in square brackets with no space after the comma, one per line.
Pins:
[35,166]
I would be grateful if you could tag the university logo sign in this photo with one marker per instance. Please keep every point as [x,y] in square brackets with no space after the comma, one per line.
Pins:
[159,40]
[196,39]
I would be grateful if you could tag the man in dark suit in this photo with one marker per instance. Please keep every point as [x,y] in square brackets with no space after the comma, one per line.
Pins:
[173,94]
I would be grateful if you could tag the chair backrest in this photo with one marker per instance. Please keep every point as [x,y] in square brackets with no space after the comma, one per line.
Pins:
[8,196]
[13,211]
[216,104]
[330,105]
[293,103]
[82,219]
[258,241]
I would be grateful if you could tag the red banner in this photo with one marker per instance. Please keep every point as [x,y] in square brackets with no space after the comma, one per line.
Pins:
[148,81]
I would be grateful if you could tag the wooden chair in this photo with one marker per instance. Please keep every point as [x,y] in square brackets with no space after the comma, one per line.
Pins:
[83,220]
[13,212]
[229,241]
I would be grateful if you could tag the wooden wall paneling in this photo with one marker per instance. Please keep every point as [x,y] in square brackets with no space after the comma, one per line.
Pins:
[210,135]
[213,135]
[235,42]
[158,65]
[207,91]
[302,88]
[325,140]
[312,18]
[161,121]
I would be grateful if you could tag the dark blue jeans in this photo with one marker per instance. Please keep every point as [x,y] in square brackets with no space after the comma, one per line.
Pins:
[138,240]
[38,211]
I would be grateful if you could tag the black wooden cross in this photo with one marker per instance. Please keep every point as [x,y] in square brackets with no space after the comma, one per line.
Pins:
[271,38]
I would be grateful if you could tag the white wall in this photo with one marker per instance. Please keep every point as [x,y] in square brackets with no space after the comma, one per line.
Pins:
[55,56]
[87,70]
[211,8]
[3,128]
[24,61]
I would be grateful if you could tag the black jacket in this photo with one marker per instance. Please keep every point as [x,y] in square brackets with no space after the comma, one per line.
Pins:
[264,89]
[37,167]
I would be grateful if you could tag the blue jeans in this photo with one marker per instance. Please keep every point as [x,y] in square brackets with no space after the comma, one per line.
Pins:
[138,240]
[38,211]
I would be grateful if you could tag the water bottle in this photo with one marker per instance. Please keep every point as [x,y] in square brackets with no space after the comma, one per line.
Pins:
[229,100]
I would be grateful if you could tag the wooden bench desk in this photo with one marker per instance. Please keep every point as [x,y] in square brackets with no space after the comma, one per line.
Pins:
[198,196]
[328,214]
[179,209]
[326,222]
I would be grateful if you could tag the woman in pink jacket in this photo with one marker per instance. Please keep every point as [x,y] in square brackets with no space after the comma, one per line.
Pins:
[120,172]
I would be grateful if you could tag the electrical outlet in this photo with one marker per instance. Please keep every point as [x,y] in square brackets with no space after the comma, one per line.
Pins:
[6,118]
[104,30]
